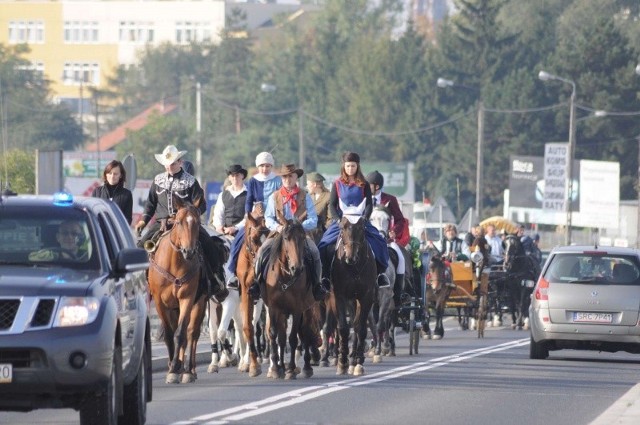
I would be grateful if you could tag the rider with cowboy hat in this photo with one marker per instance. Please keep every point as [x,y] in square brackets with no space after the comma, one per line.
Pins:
[174,181]
[291,202]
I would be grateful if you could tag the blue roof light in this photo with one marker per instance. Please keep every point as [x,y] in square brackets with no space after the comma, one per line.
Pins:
[62,199]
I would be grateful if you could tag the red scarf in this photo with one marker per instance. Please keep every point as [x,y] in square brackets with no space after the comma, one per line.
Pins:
[290,196]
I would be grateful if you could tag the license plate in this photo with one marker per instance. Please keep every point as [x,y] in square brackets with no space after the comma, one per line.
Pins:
[592,317]
[6,373]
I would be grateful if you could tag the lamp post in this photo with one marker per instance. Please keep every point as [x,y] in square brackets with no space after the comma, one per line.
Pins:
[198,131]
[545,76]
[443,83]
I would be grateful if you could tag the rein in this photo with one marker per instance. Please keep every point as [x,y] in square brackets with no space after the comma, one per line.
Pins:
[362,260]
[170,277]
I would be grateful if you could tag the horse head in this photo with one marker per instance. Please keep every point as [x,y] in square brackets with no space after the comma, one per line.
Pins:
[255,234]
[289,245]
[513,252]
[352,240]
[439,273]
[186,227]
[381,219]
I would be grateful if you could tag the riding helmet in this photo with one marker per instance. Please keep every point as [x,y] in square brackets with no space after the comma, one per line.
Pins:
[375,178]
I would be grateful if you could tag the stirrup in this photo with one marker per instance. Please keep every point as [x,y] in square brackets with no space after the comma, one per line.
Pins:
[233,283]
[383,281]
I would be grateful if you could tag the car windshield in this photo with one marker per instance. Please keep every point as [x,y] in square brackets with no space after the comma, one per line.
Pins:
[46,237]
[589,267]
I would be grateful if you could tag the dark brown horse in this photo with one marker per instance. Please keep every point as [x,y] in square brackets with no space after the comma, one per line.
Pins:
[287,293]
[439,287]
[174,283]
[254,235]
[353,278]
[522,271]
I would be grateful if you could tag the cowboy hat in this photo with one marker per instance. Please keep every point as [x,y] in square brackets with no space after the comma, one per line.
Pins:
[287,169]
[169,155]
[236,169]
[315,177]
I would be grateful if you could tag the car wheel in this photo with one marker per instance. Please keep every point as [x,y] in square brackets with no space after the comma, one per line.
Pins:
[101,408]
[537,350]
[135,394]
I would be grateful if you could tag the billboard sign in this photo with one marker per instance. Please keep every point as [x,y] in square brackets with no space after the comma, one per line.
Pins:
[86,164]
[556,158]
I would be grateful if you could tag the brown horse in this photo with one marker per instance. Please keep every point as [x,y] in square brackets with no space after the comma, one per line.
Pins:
[174,282]
[287,293]
[353,278]
[439,287]
[255,234]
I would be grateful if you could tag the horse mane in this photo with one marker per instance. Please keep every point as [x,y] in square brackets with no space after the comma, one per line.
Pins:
[276,247]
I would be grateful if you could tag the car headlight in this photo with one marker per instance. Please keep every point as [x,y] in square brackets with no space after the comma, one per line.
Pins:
[76,311]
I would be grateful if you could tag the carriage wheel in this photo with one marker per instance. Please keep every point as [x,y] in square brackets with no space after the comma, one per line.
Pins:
[412,330]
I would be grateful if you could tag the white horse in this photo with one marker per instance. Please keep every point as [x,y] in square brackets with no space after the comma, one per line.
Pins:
[229,354]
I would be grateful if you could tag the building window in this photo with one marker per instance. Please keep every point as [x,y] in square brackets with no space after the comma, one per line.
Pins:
[135,32]
[31,32]
[36,67]
[190,31]
[81,32]
[76,73]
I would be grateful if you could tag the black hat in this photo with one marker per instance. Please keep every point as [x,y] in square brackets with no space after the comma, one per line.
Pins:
[350,157]
[235,169]
[375,178]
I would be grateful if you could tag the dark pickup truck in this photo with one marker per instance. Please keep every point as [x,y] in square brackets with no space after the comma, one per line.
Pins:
[74,310]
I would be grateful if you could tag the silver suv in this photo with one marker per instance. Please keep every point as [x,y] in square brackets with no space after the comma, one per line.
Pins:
[587,298]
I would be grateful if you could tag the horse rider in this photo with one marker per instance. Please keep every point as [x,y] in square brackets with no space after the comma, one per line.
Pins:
[259,188]
[227,216]
[352,190]
[451,246]
[292,202]
[177,182]
[398,230]
[320,196]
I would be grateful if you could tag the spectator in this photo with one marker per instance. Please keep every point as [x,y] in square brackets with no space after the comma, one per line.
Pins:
[113,178]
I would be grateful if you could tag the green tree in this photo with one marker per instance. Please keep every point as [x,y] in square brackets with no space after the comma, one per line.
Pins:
[18,167]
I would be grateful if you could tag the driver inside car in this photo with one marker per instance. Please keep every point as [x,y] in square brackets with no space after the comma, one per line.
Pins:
[70,237]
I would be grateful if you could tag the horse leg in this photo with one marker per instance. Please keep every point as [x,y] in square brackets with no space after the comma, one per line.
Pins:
[360,331]
[193,334]
[259,329]
[438,331]
[247,327]
[229,307]
[291,370]
[343,347]
[176,367]
[213,331]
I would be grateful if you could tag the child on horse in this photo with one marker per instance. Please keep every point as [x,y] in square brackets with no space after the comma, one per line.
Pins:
[351,189]
[398,230]
[177,182]
[290,201]
[259,188]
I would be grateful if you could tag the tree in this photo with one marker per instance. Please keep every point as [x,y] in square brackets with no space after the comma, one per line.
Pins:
[19,171]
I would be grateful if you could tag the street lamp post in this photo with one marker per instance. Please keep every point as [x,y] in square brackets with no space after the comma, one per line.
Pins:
[443,83]
[198,131]
[545,76]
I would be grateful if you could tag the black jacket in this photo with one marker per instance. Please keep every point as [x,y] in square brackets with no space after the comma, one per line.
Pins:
[121,196]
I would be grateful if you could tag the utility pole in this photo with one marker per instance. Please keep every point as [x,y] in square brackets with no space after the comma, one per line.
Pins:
[198,132]
[479,188]
[300,138]
[638,189]
[95,100]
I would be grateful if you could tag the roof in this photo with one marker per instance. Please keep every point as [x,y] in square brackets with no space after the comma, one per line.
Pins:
[119,134]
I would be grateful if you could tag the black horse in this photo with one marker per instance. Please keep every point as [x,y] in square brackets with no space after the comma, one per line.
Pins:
[522,270]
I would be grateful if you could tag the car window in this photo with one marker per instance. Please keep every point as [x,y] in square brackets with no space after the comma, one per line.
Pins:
[47,239]
[580,267]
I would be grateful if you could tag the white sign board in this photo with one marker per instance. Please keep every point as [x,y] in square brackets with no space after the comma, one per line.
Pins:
[556,158]
[600,199]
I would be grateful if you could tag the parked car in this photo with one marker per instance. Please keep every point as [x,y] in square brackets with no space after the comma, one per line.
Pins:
[74,310]
[586,298]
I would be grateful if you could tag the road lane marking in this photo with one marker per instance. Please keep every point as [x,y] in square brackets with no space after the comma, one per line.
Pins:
[301,395]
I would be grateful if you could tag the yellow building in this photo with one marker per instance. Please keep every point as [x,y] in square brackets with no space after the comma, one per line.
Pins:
[76,44]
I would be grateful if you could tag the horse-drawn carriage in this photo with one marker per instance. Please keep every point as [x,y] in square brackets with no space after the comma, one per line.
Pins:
[469,295]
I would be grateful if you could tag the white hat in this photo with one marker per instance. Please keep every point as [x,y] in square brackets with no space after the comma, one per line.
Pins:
[169,155]
[264,158]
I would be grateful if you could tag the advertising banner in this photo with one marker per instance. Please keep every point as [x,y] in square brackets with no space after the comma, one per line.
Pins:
[556,158]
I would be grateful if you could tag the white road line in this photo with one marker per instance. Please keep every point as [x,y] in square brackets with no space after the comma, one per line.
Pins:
[304,394]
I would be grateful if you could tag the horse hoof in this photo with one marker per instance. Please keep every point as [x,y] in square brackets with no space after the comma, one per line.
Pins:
[291,375]
[172,378]
[324,363]
[513,326]
[358,370]
[188,378]
[213,368]
[223,362]
[255,371]
[436,337]
[307,373]
[234,360]
[371,353]
[377,358]
[351,369]
[341,370]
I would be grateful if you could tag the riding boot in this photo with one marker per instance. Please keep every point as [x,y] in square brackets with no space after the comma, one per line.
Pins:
[259,267]
[318,288]
[398,286]
[383,279]
[326,259]
[219,291]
